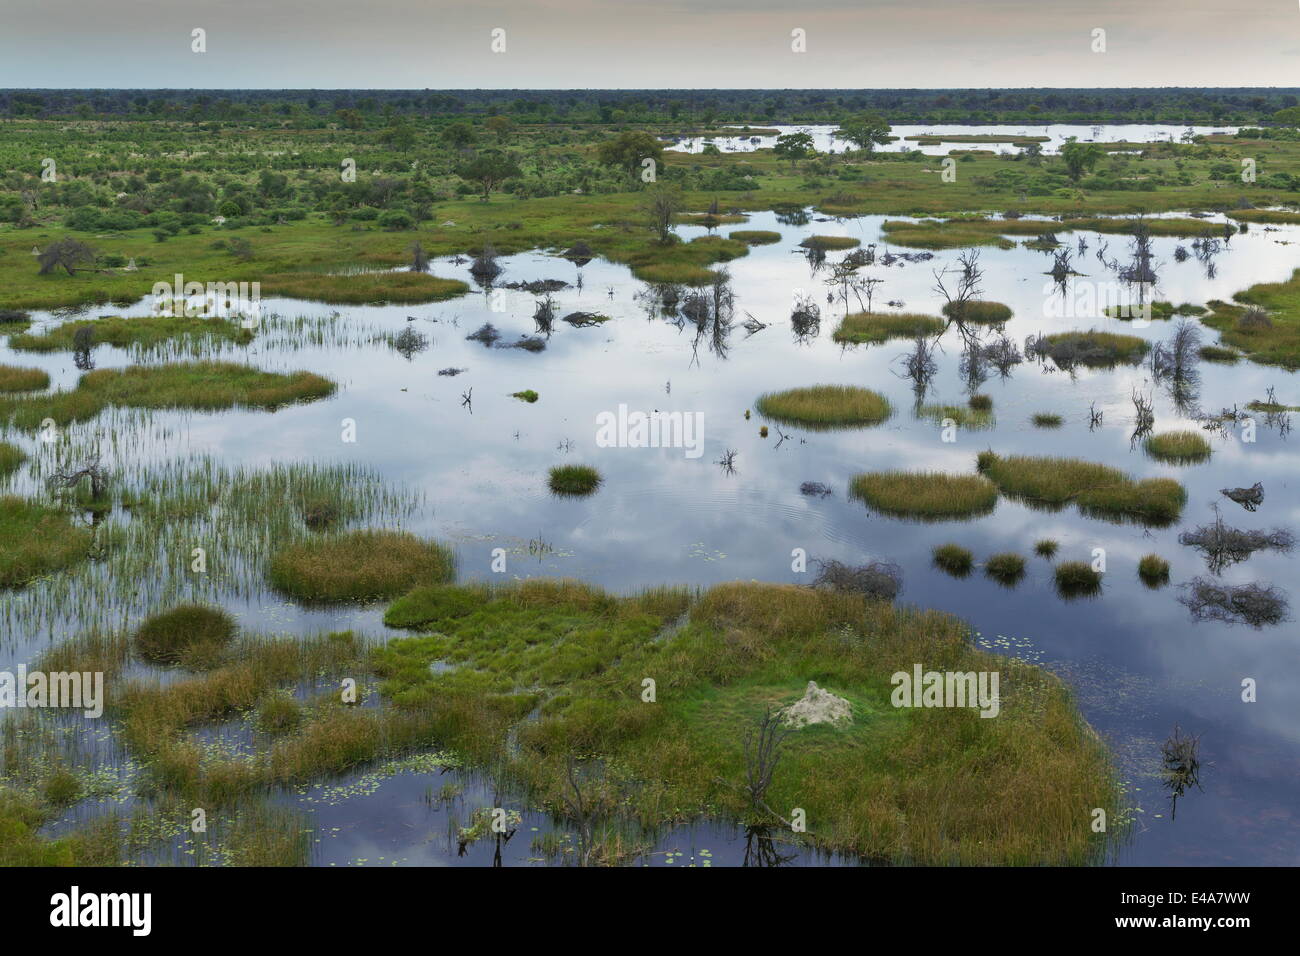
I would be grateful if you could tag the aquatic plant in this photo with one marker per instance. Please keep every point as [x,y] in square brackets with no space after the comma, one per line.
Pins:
[825,406]
[1179,448]
[358,566]
[1153,570]
[574,480]
[1098,490]
[861,327]
[185,633]
[36,540]
[1006,568]
[954,559]
[925,495]
[1077,579]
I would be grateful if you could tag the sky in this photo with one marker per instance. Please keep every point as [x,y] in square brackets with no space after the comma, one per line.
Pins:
[610,44]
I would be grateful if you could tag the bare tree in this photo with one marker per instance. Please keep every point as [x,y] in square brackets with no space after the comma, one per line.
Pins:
[70,254]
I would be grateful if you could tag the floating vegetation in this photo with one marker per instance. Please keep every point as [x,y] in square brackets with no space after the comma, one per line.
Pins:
[925,495]
[527,395]
[574,480]
[1179,448]
[954,559]
[874,327]
[1075,579]
[1047,420]
[582,320]
[1099,490]
[825,406]
[359,566]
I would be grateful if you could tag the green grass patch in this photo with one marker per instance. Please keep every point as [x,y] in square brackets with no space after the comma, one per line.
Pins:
[1179,448]
[874,327]
[1269,338]
[1047,420]
[1153,570]
[363,288]
[36,540]
[202,386]
[825,406]
[954,559]
[925,495]
[14,378]
[755,237]
[11,457]
[978,311]
[1217,353]
[359,566]
[527,395]
[1077,579]
[1091,348]
[144,331]
[1046,548]
[829,243]
[1006,568]
[189,633]
[963,415]
[574,480]
[1099,490]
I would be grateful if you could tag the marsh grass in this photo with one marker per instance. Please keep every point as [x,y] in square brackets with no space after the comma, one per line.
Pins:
[925,495]
[1048,420]
[1153,570]
[981,403]
[11,458]
[1046,548]
[574,480]
[978,311]
[144,332]
[875,327]
[825,406]
[1091,348]
[1216,353]
[1076,579]
[828,243]
[36,540]
[1098,490]
[1007,568]
[963,415]
[358,566]
[190,631]
[201,386]
[755,237]
[14,378]
[527,395]
[363,288]
[1179,448]
[744,649]
[954,559]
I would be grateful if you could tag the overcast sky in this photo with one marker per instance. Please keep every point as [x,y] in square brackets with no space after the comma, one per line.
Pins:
[590,44]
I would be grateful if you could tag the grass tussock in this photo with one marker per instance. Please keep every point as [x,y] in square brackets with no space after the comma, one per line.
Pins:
[363,288]
[1077,579]
[189,633]
[964,415]
[828,243]
[1092,348]
[978,311]
[1099,490]
[574,480]
[1178,448]
[825,406]
[1007,568]
[755,237]
[359,566]
[925,495]
[1153,570]
[954,559]
[1046,548]
[874,327]
[1047,420]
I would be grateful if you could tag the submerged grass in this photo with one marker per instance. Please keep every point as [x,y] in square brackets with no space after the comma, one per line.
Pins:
[825,406]
[1099,490]
[35,540]
[925,495]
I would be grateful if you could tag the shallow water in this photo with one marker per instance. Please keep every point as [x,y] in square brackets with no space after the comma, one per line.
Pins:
[1138,663]
[825,141]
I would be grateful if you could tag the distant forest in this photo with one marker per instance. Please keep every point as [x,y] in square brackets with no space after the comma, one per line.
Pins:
[364,108]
